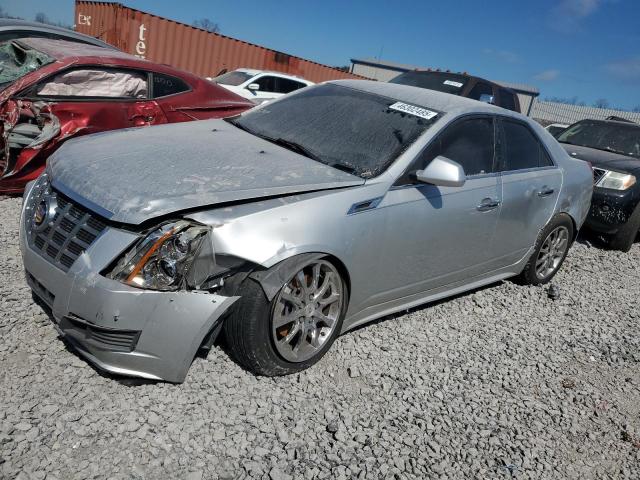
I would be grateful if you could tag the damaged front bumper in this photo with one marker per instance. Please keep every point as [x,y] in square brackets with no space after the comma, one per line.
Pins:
[122,329]
[610,209]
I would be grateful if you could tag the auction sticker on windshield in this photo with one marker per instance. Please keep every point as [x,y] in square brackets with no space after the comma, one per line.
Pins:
[453,84]
[413,110]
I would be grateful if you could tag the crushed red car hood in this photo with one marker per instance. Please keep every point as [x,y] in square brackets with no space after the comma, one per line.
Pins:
[134,175]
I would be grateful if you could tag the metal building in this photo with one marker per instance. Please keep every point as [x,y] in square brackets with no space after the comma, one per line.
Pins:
[384,71]
[189,48]
[554,112]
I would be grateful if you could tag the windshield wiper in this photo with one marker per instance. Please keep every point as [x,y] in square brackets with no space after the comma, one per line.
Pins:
[288,144]
[296,147]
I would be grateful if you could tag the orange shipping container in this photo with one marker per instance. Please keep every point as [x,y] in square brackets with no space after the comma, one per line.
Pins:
[195,50]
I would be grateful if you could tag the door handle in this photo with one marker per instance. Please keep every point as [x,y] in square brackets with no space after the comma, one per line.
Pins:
[488,204]
[545,191]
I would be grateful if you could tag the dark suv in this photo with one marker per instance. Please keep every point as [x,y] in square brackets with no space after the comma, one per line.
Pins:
[461,84]
[613,149]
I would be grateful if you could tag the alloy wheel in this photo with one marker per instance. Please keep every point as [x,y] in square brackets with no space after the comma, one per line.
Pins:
[306,311]
[552,251]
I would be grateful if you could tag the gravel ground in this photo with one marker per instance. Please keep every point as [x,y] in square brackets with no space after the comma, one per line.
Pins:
[499,383]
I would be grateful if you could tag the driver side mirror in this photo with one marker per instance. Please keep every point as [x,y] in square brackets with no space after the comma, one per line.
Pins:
[442,172]
[486,98]
[253,86]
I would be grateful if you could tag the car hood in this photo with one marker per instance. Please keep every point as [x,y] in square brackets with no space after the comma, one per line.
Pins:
[602,158]
[134,175]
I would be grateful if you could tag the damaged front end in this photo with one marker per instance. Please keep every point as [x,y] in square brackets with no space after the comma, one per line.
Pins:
[28,133]
[138,303]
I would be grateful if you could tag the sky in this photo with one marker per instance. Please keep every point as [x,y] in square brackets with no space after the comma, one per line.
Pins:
[589,49]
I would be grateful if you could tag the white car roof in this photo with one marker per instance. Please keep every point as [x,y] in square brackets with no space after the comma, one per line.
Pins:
[251,71]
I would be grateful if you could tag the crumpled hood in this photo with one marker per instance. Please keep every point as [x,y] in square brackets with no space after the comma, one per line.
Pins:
[137,174]
[602,158]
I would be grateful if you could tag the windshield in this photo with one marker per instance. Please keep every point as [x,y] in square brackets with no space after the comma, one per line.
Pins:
[355,131]
[439,81]
[16,61]
[234,78]
[612,137]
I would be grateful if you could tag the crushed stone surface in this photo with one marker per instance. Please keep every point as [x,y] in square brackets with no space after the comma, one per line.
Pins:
[502,382]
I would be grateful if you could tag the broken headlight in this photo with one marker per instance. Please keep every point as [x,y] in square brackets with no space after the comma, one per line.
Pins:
[616,180]
[163,259]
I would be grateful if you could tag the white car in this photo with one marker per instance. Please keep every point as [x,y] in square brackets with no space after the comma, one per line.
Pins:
[260,86]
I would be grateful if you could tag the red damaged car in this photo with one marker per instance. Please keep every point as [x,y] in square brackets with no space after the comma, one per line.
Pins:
[52,90]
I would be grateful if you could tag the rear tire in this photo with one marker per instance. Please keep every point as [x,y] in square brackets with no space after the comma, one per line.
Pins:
[623,240]
[550,251]
[258,329]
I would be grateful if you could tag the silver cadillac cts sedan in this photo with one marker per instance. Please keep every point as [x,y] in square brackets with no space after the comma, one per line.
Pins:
[296,221]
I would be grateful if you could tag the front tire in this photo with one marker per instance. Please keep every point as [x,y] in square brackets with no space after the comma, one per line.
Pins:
[294,330]
[550,251]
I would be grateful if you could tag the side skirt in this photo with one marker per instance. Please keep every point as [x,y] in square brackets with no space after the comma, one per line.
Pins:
[381,310]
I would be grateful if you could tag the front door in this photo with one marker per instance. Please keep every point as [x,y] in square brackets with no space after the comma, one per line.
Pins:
[437,236]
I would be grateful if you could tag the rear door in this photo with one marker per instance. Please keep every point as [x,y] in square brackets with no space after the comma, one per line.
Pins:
[530,188]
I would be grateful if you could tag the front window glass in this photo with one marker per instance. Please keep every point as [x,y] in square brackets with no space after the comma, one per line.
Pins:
[440,81]
[17,60]
[470,143]
[612,137]
[346,128]
[234,78]
[266,83]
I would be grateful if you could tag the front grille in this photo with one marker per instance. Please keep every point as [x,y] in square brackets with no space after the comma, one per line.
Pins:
[66,232]
[598,173]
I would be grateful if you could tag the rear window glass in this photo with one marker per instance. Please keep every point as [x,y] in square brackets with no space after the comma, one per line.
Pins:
[164,85]
[343,127]
[522,149]
[439,81]
[234,78]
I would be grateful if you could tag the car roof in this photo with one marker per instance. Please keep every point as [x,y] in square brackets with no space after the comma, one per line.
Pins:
[622,123]
[252,71]
[60,49]
[15,25]
[463,74]
[422,97]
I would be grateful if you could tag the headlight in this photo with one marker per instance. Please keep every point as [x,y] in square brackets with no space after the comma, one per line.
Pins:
[162,260]
[616,180]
